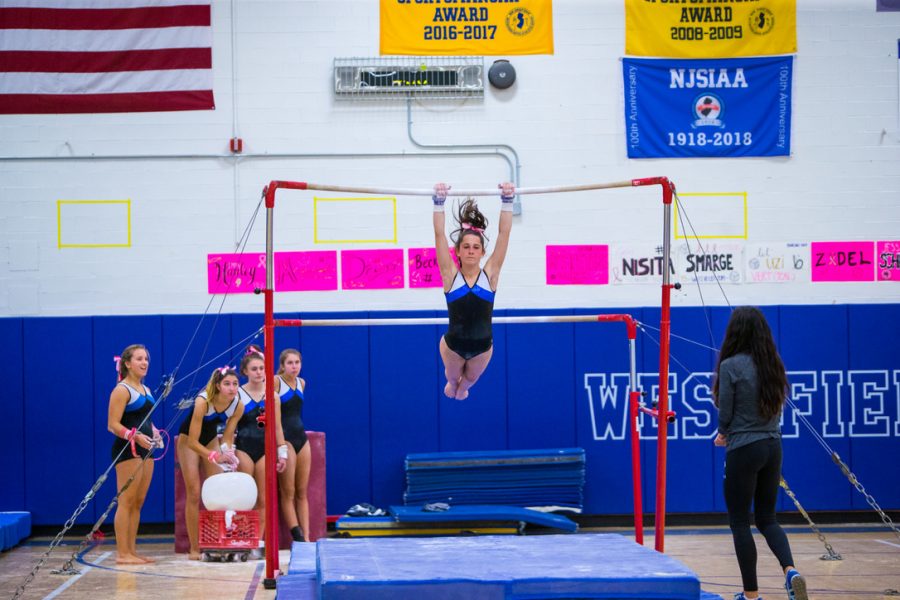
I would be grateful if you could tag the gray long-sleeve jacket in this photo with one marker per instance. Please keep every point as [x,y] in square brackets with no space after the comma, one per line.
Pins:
[739,418]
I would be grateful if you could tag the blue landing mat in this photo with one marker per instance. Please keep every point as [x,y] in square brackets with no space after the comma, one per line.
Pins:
[500,568]
[14,527]
[300,582]
[415,514]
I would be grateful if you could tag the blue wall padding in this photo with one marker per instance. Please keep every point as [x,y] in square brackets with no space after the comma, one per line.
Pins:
[500,568]
[337,401]
[483,512]
[874,343]
[398,404]
[541,400]
[59,418]
[377,392]
[814,340]
[12,425]
[14,527]
[603,349]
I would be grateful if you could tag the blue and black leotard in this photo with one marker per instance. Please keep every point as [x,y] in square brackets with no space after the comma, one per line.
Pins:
[470,309]
[138,407]
[213,421]
[292,414]
[251,438]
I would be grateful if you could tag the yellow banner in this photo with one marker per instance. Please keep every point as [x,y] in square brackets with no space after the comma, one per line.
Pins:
[466,27]
[710,28]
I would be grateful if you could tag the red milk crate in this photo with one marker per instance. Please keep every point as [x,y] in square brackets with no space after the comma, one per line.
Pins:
[242,535]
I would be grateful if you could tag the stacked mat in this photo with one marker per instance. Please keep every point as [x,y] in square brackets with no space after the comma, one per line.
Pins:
[14,527]
[548,479]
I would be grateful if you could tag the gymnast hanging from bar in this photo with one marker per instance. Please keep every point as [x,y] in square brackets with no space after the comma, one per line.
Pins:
[467,346]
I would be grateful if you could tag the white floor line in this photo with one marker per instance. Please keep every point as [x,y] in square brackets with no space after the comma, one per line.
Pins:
[888,543]
[72,580]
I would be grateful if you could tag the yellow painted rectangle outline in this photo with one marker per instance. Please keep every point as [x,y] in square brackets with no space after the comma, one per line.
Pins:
[318,240]
[59,204]
[713,237]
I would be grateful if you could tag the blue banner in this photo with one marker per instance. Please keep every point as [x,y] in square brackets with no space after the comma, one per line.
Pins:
[708,108]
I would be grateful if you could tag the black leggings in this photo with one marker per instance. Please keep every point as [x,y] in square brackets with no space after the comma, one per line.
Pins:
[752,475]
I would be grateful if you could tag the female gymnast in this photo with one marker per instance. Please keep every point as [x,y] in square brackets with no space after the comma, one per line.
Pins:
[251,441]
[750,390]
[217,407]
[129,404]
[294,480]
[467,346]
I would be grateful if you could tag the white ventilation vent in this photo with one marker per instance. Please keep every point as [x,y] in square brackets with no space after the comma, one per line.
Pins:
[409,76]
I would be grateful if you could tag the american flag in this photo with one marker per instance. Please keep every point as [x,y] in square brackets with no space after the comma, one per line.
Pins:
[92,56]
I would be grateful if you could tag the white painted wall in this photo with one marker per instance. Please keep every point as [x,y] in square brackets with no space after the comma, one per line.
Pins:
[564,117]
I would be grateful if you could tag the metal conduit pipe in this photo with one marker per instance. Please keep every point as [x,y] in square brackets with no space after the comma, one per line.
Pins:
[514,167]
[236,158]
[246,156]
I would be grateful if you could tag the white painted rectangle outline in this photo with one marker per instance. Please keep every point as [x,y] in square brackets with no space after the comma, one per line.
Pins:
[93,223]
[355,220]
[710,218]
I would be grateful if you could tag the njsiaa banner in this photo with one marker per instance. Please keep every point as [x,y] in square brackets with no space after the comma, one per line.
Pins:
[710,28]
[413,27]
[708,108]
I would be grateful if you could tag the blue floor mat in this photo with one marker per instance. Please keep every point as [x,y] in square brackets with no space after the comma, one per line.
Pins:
[483,513]
[603,566]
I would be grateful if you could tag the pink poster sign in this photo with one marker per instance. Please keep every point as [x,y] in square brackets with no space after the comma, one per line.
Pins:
[578,265]
[309,271]
[842,261]
[371,269]
[423,267]
[888,259]
[235,273]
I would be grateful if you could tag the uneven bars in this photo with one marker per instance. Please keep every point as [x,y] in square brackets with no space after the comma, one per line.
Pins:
[627,319]
[300,185]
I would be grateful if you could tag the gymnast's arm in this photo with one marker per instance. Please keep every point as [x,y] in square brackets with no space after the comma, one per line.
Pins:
[442,249]
[200,408]
[725,398]
[231,424]
[279,432]
[495,262]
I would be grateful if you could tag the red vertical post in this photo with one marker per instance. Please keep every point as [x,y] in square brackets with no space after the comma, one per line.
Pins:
[663,404]
[272,541]
[636,467]
[272,511]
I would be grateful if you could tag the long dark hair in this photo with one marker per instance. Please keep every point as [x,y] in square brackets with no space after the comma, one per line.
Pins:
[748,332]
[471,221]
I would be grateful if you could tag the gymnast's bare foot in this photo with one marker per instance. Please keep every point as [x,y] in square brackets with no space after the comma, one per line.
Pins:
[461,394]
[129,559]
[450,390]
[146,559]
[193,555]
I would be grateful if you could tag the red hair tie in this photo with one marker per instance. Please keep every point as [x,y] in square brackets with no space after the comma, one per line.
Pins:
[472,228]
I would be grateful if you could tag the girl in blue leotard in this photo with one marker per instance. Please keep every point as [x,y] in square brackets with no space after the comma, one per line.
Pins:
[293,482]
[216,408]
[469,288]
[129,404]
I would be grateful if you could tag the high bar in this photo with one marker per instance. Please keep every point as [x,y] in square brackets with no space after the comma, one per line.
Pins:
[300,185]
